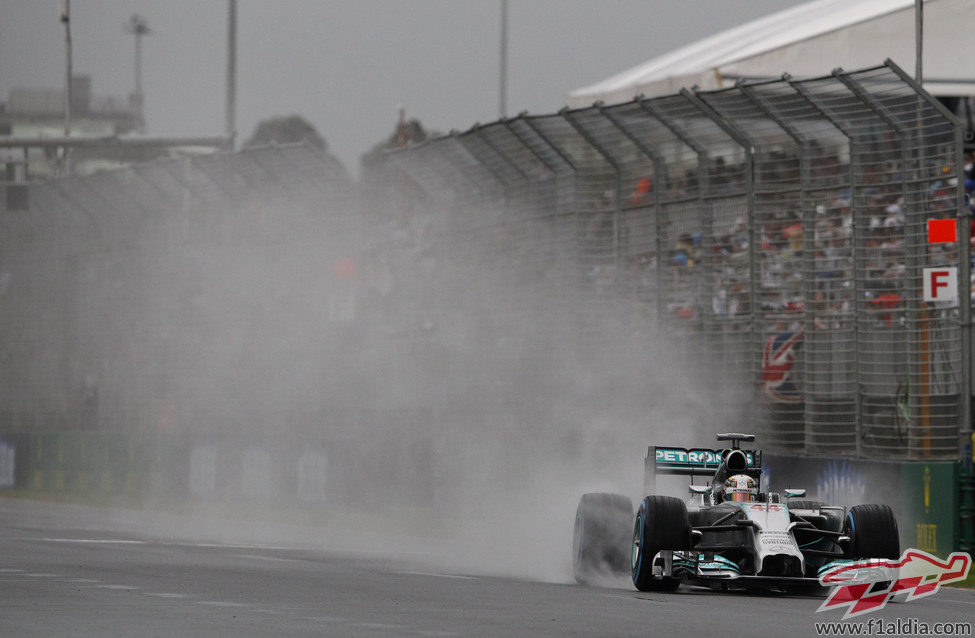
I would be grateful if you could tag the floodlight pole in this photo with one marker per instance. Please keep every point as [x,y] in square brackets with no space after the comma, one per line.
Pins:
[138,27]
[918,41]
[65,15]
[138,61]
[503,82]
[66,20]
[230,115]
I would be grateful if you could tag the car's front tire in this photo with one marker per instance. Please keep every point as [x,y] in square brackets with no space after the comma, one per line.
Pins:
[873,532]
[661,524]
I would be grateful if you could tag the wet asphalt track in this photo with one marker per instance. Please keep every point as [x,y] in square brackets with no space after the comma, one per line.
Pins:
[74,571]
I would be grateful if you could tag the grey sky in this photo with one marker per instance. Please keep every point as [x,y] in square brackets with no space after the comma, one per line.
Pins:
[346,65]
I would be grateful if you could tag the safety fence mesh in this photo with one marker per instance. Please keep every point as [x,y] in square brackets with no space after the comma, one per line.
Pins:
[776,231]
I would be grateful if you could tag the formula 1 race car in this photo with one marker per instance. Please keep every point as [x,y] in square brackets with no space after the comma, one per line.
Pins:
[730,534]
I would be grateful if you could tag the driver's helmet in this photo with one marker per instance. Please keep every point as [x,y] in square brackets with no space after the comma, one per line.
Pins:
[741,488]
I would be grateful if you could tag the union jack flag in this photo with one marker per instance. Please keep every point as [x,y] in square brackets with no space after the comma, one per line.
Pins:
[778,382]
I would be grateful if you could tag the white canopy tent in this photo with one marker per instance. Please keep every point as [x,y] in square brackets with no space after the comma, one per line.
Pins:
[807,41]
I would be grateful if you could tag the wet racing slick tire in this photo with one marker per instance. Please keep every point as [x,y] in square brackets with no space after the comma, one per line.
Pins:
[873,531]
[601,536]
[661,524]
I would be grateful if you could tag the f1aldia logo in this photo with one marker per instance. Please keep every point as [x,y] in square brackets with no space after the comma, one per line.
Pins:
[867,585]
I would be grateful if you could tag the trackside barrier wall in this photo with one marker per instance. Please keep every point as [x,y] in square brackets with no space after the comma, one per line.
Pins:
[166,467]
[13,465]
[930,495]
[776,229]
[104,465]
[148,467]
[966,511]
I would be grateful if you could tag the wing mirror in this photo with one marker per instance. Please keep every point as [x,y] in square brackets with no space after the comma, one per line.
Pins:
[794,493]
[702,491]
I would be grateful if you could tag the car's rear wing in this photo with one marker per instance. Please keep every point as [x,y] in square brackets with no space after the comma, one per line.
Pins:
[690,462]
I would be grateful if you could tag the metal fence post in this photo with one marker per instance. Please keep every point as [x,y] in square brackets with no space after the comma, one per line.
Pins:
[742,140]
[478,131]
[920,312]
[454,137]
[660,178]
[540,157]
[808,220]
[703,170]
[617,178]
[478,155]
[507,123]
[545,139]
[806,94]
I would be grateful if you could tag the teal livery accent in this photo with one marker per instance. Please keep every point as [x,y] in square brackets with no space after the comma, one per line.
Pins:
[835,563]
[697,457]
[719,563]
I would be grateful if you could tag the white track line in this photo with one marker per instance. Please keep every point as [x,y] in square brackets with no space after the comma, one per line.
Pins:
[437,575]
[93,541]
[268,558]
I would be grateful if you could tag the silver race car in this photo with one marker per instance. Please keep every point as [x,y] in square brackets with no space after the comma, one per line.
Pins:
[731,533]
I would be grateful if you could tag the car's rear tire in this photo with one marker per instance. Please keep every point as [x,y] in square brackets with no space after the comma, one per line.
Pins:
[601,536]
[873,532]
[661,524]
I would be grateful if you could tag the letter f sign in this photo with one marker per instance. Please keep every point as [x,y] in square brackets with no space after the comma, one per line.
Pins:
[941,284]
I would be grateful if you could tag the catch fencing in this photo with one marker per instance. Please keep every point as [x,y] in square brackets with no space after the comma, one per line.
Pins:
[777,230]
